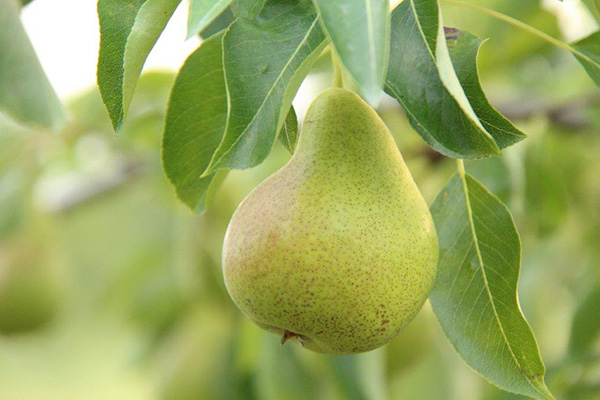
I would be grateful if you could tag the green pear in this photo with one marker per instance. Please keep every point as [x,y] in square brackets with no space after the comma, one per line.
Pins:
[337,250]
[29,285]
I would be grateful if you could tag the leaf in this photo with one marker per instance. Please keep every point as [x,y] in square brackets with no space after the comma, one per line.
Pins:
[15,179]
[288,135]
[195,122]
[594,8]
[265,60]
[585,328]
[360,33]
[421,77]
[219,24]
[202,13]
[588,54]
[128,31]
[26,95]
[247,8]
[464,47]
[475,293]
[494,173]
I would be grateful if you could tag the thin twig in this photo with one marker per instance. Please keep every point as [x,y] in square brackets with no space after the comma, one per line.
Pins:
[567,114]
[523,26]
[86,192]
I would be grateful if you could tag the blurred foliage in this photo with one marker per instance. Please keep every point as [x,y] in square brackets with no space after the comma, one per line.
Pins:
[110,288]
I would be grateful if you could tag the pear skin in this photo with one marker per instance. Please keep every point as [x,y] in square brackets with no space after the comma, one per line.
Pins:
[337,250]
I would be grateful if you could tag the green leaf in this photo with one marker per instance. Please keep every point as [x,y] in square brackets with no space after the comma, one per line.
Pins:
[494,173]
[585,328]
[26,96]
[247,8]
[360,33]
[588,54]
[288,135]
[464,47]
[128,31]
[219,24]
[594,8]
[16,175]
[195,122]
[202,13]
[421,77]
[265,60]
[475,293]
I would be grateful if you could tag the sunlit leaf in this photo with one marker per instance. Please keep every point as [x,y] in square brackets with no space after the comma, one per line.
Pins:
[589,55]
[247,8]
[421,77]
[594,7]
[218,24]
[494,174]
[360,33]
[195,122]
[26,96]
[475,294]
[265,60]
[15,176]
[202,13]
[128,31]
[464,47]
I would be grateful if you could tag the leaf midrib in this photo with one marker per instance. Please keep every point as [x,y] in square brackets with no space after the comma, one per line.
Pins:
[477,121]
[214,163]
[462,174]
[219,4]
[371,38]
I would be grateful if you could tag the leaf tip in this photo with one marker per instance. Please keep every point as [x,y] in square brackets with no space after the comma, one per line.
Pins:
[117,124]
[211,169]
[540,385]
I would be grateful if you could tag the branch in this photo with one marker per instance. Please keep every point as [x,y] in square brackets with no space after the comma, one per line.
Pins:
[569,114]
[80,190]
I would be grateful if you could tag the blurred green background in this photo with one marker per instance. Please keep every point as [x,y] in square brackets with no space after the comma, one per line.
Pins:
[111,289]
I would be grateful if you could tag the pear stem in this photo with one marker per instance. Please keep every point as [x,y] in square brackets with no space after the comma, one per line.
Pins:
[338,72]
[287,335]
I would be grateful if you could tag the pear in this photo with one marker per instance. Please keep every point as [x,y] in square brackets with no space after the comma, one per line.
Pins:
[337,250]
[30,288]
